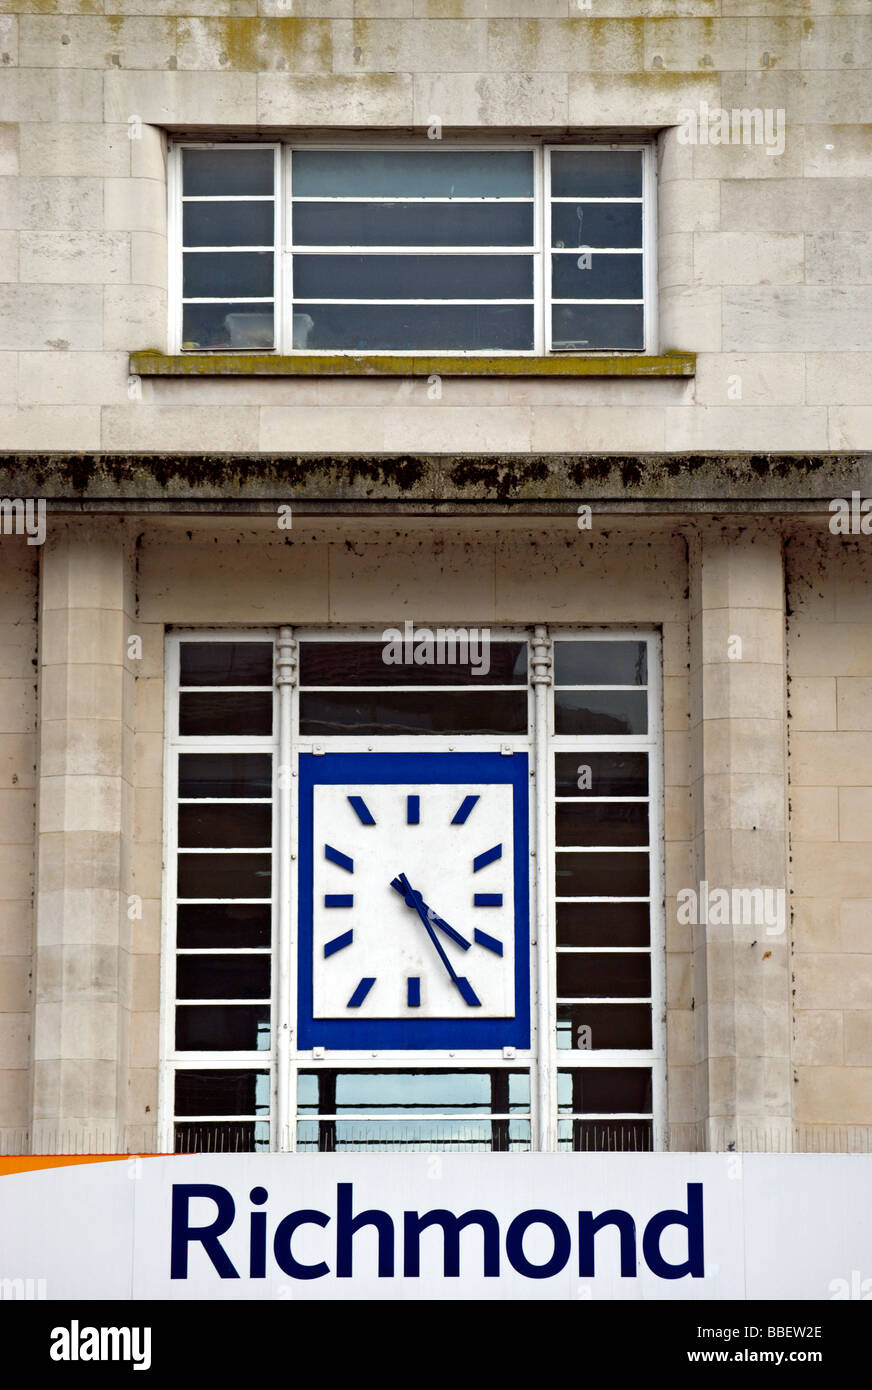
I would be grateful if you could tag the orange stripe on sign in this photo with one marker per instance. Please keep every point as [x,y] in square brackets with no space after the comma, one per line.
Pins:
[27,1163]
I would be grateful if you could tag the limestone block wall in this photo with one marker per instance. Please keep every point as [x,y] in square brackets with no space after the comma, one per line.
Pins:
[18,715]
[829,636]
[763,256]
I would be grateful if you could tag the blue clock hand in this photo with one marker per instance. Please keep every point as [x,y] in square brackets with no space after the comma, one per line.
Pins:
[437,921]
[415,900]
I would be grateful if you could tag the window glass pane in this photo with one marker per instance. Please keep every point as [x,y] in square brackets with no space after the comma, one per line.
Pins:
[605,1136]
[596,875]
[411,277]
[414,712]
[224,876]
[227,327]
[225,774]
[596,173]
[222,1028]
[222,977]
[600,663]
[602,823]
[228,224]
[608,774]
[223,1138]
[603,924]
[236,827]
[598,327]
[200,925]
[226,663]
[585,975]
[601,1027]
[406,224]
[413,173]
[234,173]
[594,712]
[470,659]
[596,275]
[596,224]
[409,328]
[222,1093]
[215,713]
[228,274]
[605,1090]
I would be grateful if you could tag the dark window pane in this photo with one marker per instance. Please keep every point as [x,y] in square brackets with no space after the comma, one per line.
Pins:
[600,663]
[599,1027]
[373,663]
[602,823]
[409,224]
[604,1090]
[236,827]
[226,327]
[226,663]
[598,327]
[222,1027]
[242,715]
[587,712]
[603,924]
[201,925]
[595,275]
[605,1136]
[209,173]
[238,1138]
[228,224]
[228,274]
[596,173]
[596,224]
[224,876]
[413,277]
[430,173]
[601,875]
[413,327]
[222,1093]
[225,774]
[222,977]
[587,976]
[608,774]
[412,1092]
[414,712]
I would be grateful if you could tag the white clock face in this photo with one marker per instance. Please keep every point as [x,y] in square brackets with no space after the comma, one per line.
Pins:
[413,901]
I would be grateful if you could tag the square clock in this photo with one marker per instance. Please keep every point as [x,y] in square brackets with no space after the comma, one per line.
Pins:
[414,901]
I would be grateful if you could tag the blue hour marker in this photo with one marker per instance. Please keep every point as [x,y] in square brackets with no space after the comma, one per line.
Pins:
[361,810]
[414,992]
[339,900]
[413,810]
[361,992]
[337,857]
[488,900]
[487,857]
[338,943]
[463,810]
[490,942]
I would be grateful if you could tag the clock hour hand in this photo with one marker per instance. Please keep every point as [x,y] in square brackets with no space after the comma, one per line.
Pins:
[415,900]
[437,921]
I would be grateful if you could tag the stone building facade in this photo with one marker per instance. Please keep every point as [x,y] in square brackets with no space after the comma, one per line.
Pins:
[298,493]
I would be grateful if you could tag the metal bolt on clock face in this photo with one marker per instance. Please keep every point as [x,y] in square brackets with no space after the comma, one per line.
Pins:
[417,892]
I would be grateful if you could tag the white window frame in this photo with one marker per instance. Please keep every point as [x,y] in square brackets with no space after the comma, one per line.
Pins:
[543,1059]
[540,250]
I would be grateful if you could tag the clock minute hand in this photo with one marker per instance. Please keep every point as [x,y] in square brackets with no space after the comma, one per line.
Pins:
[415,900]
[437,921]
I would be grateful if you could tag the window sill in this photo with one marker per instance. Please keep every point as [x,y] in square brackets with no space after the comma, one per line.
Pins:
[150,363]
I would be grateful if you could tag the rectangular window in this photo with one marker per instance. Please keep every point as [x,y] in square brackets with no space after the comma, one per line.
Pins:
[327,789]
[437,249]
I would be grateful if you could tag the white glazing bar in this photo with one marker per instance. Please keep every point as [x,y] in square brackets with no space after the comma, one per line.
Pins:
[286,669]
[545,1101]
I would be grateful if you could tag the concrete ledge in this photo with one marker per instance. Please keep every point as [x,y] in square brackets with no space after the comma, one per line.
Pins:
[150,363]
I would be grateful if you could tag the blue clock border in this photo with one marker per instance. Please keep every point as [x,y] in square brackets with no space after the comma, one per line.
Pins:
[393,1034]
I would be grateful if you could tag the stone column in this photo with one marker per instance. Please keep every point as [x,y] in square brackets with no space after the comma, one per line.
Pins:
[83,838]
[739,810]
